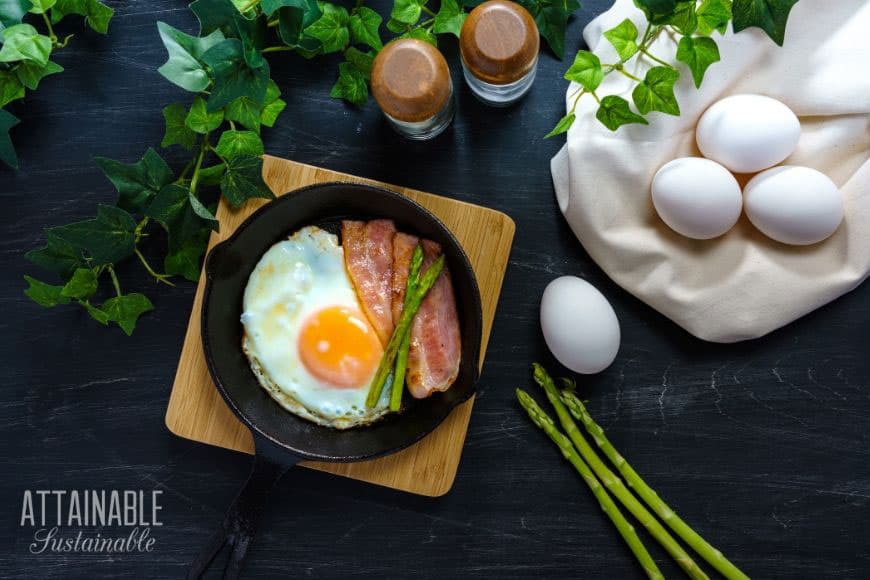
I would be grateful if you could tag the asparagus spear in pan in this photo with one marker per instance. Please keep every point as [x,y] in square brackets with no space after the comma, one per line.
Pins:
[613,483]
[412,305]
[542,420]
[405,346]
[681,528]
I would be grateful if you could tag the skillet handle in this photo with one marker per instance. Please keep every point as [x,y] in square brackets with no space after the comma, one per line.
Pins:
[238,527]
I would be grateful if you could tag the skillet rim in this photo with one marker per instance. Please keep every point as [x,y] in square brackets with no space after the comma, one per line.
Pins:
[209,266]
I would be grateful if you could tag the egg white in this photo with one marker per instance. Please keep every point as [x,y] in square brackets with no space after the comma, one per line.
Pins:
[294,279]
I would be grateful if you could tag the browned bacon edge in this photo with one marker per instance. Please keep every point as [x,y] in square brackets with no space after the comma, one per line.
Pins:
[368,257]
[436,344]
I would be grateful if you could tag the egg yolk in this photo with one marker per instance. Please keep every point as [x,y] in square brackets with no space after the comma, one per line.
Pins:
[339,346]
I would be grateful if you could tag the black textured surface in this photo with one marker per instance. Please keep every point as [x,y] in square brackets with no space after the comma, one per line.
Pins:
[761,446]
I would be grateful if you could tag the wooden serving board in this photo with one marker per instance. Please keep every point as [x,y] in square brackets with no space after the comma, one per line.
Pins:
[197,411]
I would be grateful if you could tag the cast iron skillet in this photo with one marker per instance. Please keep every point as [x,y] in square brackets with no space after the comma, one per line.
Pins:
[281,438]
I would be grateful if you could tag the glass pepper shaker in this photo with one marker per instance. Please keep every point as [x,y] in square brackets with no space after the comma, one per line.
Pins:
[411,83]
[499,45]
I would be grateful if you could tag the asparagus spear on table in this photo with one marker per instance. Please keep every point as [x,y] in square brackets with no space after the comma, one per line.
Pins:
[412,305]
[613,483]
[681,528]
[542,420]
[405,346]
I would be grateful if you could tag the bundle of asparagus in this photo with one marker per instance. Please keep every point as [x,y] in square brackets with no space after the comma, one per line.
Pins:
[595,473]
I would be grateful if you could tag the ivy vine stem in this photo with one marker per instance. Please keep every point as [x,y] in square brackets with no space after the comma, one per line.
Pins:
[114,277]
[279,48]
[156,275]
[204,146]
[624,72]
[50,28]
[650,55]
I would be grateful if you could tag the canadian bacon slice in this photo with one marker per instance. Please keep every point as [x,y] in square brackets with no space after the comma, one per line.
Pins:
[436,344]
[368,257]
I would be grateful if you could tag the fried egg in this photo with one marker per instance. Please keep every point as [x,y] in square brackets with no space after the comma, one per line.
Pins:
[306,337]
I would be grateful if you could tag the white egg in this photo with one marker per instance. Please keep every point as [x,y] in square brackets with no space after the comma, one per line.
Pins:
[696,197]
[306,337]
[579,325]
[794,205]
[748,133]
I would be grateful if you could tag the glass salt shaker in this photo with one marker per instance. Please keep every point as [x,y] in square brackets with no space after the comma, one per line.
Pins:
[411,83]
[499,45]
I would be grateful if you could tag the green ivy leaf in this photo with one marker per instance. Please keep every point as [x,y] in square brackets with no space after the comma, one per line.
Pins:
[271,111]
[97,15]
[7,150]
[243,180]
[698,53]
[274,105]
[202,211]
[350,86]
[656,92]
[684,18]
[407,11]
[422,34]
[586,70]
[365,26]
[46,295]
[361,61]
[11,88]
[212,175]
[624,39]
[13,11]
[41,6]
[245,111]
[233,77]
[106,239]
[215,15]
[188,233]
[30,72]
[82,285]
[614,112]
[713,15]
[58,255]
[177,132]
[269,7]
[331,30]
[200,120]
[449,19]
[95,312]
[657,11]
[169,204]
[125,310]
[397,27]
[23,42]
[294,19]
[235,144]
[769,15]
[137,183]
[252,33]
[552,19]
[562,126]
[184,66]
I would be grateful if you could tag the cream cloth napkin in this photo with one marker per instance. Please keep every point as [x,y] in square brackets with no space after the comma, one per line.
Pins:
[742,285]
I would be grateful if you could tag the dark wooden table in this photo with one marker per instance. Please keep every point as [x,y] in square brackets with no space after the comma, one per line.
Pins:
[762,446]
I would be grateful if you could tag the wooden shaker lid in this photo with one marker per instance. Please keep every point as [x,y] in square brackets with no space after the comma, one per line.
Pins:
[410,80]
[499,42]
